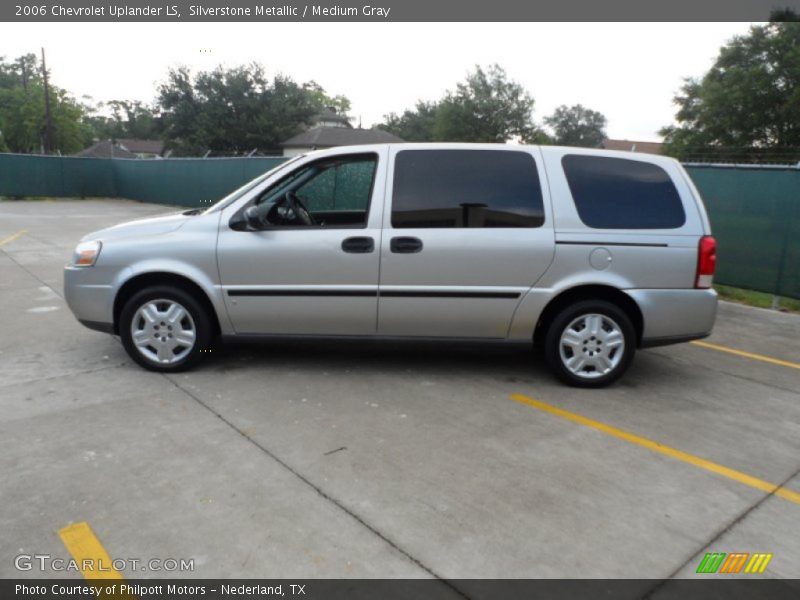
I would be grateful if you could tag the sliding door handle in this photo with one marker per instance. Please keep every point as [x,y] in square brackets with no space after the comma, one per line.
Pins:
[405,245]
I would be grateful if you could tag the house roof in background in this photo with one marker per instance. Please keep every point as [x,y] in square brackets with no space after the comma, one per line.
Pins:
[329,114]
[633,146]
[329,137]
[142,146]
[105,149]
[122,148]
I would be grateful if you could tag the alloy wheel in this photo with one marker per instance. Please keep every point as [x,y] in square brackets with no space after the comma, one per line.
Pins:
[163,331]
[591,346]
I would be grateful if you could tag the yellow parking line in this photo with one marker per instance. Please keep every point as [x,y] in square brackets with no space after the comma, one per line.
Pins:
[701,463]
[92,559]
[761,357]
[14,236]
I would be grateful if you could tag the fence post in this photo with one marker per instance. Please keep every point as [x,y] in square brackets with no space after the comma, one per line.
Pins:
[785,214]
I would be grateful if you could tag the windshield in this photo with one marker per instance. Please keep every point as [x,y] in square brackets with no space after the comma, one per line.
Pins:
[238,193]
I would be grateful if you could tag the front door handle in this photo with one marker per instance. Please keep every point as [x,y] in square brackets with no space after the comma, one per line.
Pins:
[358,245]
[405,245]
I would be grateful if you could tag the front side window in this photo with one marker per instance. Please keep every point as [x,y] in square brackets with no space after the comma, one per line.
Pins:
[343,187]
[466,188]
[618,193]
[331,192]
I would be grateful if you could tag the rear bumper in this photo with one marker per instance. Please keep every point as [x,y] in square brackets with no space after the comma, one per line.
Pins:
[674,316]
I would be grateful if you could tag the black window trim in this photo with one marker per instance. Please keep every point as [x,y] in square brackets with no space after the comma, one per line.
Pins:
[238,215]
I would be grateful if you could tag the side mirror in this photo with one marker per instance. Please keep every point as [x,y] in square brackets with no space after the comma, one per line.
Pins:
[252,217]
[249,220]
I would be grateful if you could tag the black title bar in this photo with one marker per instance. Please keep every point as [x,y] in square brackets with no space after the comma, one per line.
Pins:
[707,588]
[392,10]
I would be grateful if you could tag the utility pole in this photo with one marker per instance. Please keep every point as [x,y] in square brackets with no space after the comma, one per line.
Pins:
[24,66]
[48,116]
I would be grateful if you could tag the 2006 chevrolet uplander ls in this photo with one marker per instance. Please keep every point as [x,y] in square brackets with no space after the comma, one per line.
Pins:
[587,253]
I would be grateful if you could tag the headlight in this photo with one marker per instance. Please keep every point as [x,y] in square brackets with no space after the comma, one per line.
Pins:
[86,254]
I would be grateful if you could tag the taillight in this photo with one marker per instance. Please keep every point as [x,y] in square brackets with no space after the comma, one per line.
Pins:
[706,262]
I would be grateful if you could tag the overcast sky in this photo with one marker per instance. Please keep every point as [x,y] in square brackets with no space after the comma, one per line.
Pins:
[627,71]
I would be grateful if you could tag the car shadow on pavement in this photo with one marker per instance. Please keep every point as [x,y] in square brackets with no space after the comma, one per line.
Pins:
[381,356]
[514,361]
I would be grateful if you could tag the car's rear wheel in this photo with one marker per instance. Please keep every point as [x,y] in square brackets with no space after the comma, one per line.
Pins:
[590,343]
[164,328]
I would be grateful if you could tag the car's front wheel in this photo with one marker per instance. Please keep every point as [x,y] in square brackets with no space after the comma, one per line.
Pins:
[164,328]
[590,343]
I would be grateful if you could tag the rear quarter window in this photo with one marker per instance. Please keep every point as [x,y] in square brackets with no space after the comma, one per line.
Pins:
[617,193]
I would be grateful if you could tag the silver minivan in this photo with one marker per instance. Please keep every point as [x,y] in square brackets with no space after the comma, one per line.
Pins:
[589,254]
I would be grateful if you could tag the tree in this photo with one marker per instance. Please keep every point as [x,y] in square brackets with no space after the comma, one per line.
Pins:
[22,110]
[23,116]
[235,110]
[133,119]
[21,72]
[783,14]
[577,126]
[748,105]
[415,125]
[339,103]
[486,107]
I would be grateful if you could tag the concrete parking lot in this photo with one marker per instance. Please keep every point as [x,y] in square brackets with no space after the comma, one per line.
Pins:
[367,459]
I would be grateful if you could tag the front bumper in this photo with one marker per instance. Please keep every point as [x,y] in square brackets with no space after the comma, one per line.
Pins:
[89,299]
[672,316]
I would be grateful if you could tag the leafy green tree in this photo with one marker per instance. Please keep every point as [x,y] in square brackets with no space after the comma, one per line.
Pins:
[20,72]
[415,125]
[120,119]
[340,103]
[486,107]
[235,110]
[22,110]
[784,14]
[577,126]
[23,115]
[748,104]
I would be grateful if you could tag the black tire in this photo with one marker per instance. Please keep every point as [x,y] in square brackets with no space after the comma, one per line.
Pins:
[183,358]
[587,379]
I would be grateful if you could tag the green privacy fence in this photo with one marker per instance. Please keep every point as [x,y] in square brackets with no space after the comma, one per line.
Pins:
[754,211]
[755,216]
[26,175]
[184,181]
